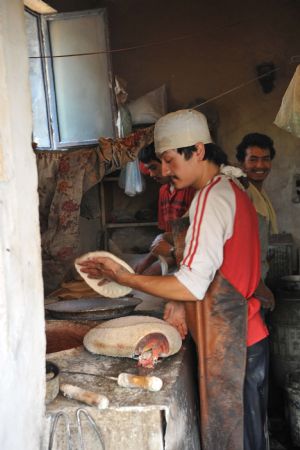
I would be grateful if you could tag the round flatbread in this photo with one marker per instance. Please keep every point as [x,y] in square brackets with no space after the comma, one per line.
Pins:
[110,289]
[120,337]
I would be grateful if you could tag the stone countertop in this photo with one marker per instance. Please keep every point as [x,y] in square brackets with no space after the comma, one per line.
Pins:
[93,370]
[164,420]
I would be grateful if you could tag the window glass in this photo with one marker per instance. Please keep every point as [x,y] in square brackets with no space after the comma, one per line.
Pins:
[70,77]
[83,96]
[39,108]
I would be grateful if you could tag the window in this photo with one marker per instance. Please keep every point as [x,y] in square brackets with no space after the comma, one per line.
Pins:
[71,78]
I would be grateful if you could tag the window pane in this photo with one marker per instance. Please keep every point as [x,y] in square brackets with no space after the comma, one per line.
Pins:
[39,109]
[81,82]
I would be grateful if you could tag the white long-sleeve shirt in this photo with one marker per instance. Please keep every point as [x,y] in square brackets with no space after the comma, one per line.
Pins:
[212,214]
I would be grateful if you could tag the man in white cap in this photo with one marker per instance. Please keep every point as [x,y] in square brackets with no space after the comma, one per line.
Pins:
[217,278]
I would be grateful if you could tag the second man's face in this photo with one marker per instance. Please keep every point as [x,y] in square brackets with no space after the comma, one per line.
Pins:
[155,172]
[257,164]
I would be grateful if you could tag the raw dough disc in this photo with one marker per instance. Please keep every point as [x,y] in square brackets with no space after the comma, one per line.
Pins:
[120,337]
[111,289]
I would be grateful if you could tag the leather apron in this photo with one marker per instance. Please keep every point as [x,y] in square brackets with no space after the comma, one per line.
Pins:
[218,325]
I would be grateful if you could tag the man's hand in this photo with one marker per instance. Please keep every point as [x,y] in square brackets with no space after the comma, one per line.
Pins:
[161,247]
[174,314]
[143,264]
[265,295]
[103,267]
[154,269]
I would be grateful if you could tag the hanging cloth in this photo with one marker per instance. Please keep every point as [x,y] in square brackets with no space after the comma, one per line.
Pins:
[63,178]
[263,206]
[288,116]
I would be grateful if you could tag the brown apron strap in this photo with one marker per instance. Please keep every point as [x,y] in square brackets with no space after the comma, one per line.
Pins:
[218,325]
[179,230]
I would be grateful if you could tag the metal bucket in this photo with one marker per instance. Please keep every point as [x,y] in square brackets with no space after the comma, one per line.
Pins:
[293,405]
[285,335]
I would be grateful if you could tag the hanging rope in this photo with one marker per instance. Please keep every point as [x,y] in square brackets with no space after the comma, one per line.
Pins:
[293,59]
[240,86]
[119,50]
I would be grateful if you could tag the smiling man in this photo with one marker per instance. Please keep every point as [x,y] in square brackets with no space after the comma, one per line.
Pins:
[217,278]
[255,154]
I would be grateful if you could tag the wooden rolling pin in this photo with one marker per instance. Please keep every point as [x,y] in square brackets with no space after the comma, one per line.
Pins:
[82,395]
[149,383]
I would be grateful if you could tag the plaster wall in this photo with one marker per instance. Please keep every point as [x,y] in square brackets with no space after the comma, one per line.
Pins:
[205,49]
[226,41]
[22,337]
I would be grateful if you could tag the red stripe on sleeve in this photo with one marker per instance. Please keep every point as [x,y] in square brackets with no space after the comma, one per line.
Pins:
[194,228]
[190,255]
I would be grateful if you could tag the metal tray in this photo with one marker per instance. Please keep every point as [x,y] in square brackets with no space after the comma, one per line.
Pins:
[92,308]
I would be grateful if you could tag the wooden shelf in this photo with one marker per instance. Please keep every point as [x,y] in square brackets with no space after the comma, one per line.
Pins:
[111,225]
[131,224]
[110,179]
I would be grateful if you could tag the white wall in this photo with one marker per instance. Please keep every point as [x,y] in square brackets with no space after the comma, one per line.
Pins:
[22,341]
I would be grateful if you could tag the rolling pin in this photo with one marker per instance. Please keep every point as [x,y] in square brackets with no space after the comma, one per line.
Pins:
[89,397]
[147,382]
[150,383]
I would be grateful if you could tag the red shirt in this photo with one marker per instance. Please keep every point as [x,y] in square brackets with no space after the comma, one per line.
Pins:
[241,265]
[172,204]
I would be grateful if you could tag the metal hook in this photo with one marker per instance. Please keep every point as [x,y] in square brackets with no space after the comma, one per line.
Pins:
[93,424]
[54,420]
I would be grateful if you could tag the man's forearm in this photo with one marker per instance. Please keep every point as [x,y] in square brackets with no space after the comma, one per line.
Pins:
[167,287]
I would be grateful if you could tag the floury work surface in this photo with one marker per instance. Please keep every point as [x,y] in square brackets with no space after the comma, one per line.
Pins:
[134,418]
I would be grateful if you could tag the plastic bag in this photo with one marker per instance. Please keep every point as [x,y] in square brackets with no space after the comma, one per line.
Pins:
[131,179]
[288,116]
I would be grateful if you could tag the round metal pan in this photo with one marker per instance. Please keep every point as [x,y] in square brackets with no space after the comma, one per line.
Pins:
[92,308]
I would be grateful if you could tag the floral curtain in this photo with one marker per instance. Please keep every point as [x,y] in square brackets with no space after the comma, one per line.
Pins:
[63,178]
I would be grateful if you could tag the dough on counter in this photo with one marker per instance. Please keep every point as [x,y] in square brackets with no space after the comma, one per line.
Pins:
[130,336]
[110,289]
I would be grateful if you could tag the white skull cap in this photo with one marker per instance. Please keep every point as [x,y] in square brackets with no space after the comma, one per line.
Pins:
[180,129]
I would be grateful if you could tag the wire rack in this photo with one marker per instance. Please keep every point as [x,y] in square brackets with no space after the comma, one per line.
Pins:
[282,257]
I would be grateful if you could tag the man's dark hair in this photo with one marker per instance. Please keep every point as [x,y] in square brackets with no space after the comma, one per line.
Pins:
[148,154]
[254,140]
[213,153]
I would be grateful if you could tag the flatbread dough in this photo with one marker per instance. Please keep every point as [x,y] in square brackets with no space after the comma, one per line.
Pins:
[120,337]
[111,289]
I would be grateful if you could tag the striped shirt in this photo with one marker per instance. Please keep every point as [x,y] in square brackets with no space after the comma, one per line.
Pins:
[172,204]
